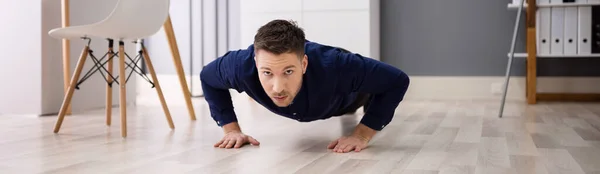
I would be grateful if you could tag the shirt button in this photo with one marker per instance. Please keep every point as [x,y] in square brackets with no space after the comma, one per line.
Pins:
[294,113]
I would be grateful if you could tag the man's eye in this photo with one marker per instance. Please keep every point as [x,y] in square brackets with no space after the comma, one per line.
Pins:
[267,73]
[288,72]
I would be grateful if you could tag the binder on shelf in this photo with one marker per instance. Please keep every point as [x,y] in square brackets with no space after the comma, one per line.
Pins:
[570,28]
[543,27]
[518,2]
[595,35]
[557,24]
[584,29]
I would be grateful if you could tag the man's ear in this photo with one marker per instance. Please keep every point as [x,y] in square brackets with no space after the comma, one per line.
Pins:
[304,63]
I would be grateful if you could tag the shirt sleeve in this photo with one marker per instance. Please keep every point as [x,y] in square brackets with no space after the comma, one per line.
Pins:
[216,79]
[386,84]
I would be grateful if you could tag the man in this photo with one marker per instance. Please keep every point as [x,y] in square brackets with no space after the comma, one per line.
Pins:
[305,81]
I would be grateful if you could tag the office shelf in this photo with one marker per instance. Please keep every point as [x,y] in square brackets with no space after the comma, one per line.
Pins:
[547,5]
[530,8]
[524,55]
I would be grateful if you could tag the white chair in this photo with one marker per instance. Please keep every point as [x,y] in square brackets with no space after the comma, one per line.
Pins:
[131,20]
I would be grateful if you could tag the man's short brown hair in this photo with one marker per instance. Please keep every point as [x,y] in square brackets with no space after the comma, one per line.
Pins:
[280,36]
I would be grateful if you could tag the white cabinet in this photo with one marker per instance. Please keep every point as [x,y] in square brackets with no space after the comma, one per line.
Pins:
[351,24]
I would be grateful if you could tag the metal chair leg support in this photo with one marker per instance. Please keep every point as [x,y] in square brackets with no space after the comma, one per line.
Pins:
[511,57]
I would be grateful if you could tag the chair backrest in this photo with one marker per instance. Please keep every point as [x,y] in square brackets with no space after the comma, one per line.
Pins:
[137,18]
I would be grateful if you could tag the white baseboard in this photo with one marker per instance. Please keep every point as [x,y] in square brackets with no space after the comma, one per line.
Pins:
[422,87]
[491,87]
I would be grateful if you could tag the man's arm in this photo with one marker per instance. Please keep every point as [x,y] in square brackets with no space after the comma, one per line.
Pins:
[386,84]
[217,78]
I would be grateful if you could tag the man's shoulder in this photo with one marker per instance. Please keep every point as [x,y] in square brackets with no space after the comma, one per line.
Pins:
[234,67]
[320,49]
[334,58]
[239,59]
[239,54]
[322,55]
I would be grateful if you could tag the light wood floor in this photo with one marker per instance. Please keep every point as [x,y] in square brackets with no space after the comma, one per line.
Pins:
[424,137]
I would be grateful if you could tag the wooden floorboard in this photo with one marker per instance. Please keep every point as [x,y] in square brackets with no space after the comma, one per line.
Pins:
[424,137]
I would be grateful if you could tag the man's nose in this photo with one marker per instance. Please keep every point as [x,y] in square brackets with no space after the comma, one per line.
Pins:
[278,85]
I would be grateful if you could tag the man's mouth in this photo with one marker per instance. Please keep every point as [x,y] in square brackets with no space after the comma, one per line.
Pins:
[280,98]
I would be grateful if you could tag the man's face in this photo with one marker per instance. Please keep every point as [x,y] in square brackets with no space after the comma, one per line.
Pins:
[280,75]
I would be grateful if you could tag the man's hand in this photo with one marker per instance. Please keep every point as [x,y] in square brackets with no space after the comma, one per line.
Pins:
[356,142]
[236,139]
[349,143]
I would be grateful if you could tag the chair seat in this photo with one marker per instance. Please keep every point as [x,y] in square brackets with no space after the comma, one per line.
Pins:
[100,30]
[127,21]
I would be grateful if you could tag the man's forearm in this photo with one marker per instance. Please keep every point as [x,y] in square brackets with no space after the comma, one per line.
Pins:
[386,84]
[216,94]
[382,106]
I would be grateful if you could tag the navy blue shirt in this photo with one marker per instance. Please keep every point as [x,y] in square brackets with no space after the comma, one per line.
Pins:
[332,81]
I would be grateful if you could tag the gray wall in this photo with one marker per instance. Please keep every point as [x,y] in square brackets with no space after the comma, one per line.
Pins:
[461,38]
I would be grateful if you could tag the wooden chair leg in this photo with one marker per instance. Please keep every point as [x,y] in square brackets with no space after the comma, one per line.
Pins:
[168,27]
[122,89]
[66,49]
[157,86]
[69,95]
[109,90]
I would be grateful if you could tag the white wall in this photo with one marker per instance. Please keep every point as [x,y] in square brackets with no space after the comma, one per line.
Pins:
[158,47]
[204,29]
[234,25]
[51,59]
[36,59]
[21,65]
[351,24]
